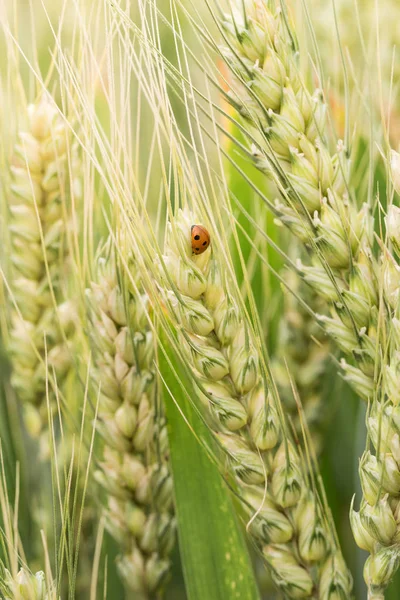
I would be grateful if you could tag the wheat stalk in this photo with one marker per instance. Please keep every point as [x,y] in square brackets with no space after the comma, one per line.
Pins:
[134,466]
[41,321]
[286,518]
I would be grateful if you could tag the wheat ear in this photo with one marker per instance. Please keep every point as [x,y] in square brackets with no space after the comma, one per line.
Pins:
[376,525]
[316,205]
[301,359]
[40,189]
[285,516]
[134,468]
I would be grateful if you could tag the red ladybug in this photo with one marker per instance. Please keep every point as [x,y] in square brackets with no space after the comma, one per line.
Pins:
[200,239]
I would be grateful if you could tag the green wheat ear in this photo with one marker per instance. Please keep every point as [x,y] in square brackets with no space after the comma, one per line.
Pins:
[301,359]
[315,203]
[216,343]
[134,469]
[41,322]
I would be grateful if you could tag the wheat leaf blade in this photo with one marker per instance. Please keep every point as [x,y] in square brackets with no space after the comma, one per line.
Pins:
[215,558]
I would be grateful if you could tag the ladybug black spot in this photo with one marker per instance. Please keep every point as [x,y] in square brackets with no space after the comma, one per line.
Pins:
[196,237]
[205,243]
[197,249]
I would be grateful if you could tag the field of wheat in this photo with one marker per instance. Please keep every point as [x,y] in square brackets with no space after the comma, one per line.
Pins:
[199,300]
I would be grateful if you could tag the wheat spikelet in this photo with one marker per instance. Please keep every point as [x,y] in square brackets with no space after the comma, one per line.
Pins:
[134,467]
[286,517]
[26,586]
[39,190]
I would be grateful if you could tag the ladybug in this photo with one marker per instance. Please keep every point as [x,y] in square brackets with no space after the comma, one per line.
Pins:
[200,239]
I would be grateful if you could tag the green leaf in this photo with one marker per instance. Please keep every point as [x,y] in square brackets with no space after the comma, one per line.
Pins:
[215,558]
